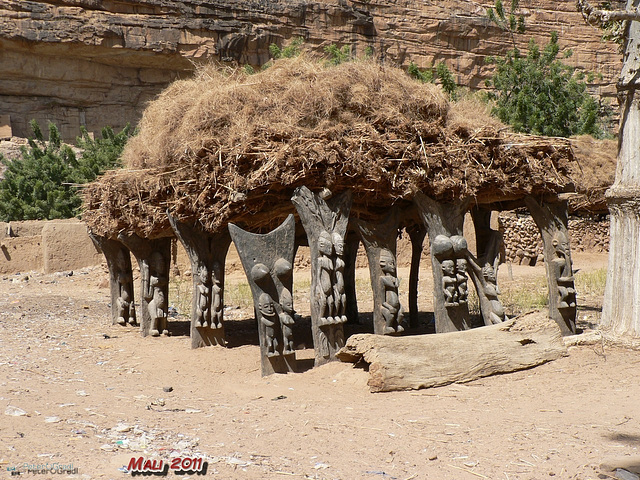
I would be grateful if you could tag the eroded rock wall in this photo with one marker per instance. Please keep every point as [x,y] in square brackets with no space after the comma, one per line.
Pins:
[94,63]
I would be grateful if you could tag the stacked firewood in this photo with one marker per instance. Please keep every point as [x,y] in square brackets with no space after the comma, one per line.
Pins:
[523,244]
[522,241]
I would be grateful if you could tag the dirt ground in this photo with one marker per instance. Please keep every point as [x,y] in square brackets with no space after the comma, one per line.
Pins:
[95,395]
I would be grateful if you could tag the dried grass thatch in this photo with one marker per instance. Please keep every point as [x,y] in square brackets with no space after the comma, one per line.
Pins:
[594,171]
[226,146]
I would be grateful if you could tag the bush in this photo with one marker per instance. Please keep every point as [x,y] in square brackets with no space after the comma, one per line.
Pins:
[42,183]
[539,94]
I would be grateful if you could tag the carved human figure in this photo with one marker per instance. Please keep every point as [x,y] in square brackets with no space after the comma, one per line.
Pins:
[340,297]
[563,271]
[157,304]
[391,308]
[461,280]
[324,291]
[268,318]
[492,291]
[126,308]
[449,283]
[283,270]
[203,303]
[287,319]
[216,298]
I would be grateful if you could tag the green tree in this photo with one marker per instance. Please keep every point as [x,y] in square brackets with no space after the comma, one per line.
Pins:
[101,154]
[41,184]
[537,93]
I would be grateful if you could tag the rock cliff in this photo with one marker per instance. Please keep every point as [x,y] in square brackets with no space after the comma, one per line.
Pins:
[94,63]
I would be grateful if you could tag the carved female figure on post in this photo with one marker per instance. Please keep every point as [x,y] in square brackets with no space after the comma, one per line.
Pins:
[268,317]
[158,303]
[203,311]
[390,308]
[340,297]
[563,271]
[324,292]
[126,308]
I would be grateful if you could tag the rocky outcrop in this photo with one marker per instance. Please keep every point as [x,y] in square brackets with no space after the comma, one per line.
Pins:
[94,63]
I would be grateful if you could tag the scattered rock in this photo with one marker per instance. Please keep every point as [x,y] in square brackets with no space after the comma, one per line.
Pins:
[14,411]
[167,389]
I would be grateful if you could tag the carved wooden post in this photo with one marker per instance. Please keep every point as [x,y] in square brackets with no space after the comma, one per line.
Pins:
[326,224]
[416,234]
[207,253]
[154,260]
[379,240]
[123,310]
[552,221]
[484,269]
[444,222]
[352,241]
[268,263]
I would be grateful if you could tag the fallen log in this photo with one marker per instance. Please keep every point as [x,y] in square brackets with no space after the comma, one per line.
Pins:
[423,361]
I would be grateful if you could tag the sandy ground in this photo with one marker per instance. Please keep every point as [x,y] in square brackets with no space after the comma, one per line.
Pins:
[95,395]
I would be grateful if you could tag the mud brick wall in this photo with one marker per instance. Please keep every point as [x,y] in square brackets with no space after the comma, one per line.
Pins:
[46,246]
[523,244]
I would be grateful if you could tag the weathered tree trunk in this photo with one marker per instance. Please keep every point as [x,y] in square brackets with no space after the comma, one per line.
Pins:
[380,241]
[120,279]
[552,220]
[416,234]
[444,222]
[268,263]
[325,223]
[207,253]
[621,308]
[422,361]
[154,260]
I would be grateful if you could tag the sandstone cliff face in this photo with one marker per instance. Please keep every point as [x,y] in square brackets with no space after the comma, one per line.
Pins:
[94,63]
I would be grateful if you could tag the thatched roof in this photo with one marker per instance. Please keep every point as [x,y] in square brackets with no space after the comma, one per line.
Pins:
[230,147]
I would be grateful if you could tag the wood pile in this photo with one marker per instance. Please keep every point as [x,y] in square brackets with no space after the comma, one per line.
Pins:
[523,244]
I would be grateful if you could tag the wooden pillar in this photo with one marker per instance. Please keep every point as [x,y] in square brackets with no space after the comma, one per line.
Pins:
[380,241]
[352,241]
[552,220]
[267,260]
[444,222]
[416,233]
[484,269]
[325,222]
[207,253]
[123,310]
[154,260]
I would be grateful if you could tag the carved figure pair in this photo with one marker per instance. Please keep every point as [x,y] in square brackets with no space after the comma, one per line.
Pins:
[208,303]
[330,292]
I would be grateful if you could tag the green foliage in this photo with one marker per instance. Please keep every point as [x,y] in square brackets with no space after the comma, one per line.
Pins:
[41,183]
[448,83]
[539,94]
[338,55]
[510,21]
[425,76]
[429,75]
[289,51]
[100,154]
